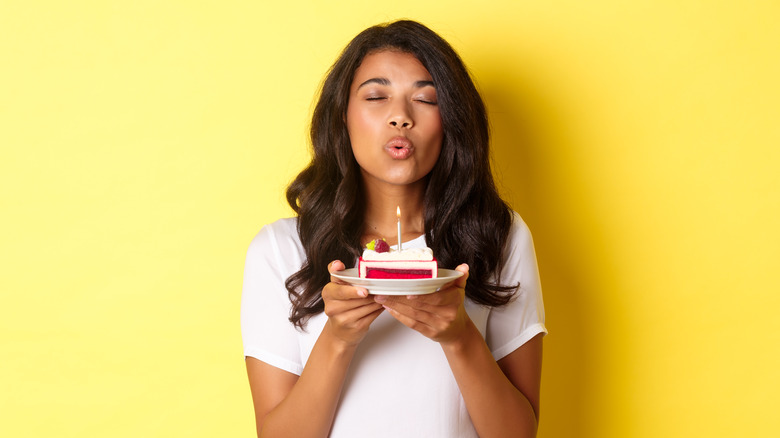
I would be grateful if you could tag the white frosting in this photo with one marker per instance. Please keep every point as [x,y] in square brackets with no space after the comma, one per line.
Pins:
[425,254]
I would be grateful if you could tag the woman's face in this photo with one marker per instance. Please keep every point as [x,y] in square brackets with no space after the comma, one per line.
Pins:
[393,119]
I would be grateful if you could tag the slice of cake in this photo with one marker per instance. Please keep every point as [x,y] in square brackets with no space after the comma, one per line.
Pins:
[378,261]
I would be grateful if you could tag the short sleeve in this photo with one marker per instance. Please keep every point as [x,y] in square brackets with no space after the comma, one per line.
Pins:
[514,324]
[267,334]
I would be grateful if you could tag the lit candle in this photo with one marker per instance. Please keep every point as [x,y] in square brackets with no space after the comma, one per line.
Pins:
[398,215]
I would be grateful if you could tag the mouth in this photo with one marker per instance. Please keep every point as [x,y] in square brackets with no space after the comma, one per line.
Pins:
[399,148]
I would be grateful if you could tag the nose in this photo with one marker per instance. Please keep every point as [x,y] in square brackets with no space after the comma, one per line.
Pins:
[400,117]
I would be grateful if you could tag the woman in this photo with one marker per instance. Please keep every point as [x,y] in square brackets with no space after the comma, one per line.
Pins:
[398,123]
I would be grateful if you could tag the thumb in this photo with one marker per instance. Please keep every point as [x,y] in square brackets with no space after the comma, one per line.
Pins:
[461,282]
[334,267]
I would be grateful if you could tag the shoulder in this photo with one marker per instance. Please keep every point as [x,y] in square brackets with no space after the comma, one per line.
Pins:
[513,324]
[282,231]
[281,227]
[519,235]
[519,261]
[277,244]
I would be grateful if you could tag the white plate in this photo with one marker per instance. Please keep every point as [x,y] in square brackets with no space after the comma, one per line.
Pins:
[400,286]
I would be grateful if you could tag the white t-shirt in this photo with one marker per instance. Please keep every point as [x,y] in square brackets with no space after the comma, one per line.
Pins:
[399,383]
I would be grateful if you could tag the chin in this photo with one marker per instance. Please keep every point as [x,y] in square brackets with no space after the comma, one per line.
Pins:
[406,181]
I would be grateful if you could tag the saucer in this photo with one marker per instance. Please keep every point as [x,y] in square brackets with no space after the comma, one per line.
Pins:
[400,286]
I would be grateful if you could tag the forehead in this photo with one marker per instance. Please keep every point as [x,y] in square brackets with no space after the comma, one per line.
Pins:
[391,64]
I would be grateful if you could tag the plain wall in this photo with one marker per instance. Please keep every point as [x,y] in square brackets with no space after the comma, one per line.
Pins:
[144,144]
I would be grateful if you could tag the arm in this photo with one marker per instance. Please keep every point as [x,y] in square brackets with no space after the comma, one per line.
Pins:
[288,405]
[502,398]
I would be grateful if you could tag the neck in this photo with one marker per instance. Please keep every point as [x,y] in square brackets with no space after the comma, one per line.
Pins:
[380,217]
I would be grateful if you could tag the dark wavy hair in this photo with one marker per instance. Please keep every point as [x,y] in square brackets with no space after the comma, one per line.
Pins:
[465,219]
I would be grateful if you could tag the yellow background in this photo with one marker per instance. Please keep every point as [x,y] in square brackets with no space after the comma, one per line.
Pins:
[144,143]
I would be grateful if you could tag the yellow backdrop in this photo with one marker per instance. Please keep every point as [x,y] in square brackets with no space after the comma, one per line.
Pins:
[144,143]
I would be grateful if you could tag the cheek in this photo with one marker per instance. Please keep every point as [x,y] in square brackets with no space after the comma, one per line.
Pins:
[357,125]
[350,120]
[437,144]
[358,136]
[434,157]
[433,121]
[436,134]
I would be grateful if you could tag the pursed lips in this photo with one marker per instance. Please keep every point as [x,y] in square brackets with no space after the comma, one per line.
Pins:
[399,148]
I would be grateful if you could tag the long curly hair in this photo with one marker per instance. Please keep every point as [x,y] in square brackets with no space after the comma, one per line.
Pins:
[465,219]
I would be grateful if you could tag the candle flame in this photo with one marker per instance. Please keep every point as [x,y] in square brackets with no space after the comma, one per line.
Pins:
[398,212]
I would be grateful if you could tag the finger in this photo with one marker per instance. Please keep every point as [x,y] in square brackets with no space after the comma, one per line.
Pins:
[359,312]
[343,291]
[355,317]
[337,266]
[334,267]
[429,313]
[444,294]
[414,311]
[461,281]
[412,321]
[426,301]
[339,306]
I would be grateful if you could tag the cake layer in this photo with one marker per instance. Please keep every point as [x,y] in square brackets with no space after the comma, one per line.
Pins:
[398,269]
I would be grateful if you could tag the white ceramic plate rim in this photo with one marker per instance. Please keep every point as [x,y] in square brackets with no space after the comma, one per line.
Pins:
[402,286]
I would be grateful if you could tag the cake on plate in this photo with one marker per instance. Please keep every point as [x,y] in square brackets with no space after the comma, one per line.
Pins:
[379,261]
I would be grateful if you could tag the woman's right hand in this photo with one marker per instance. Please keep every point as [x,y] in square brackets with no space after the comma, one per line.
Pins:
[349,309]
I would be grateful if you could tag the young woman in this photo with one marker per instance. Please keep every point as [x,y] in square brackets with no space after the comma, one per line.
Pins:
[398,123]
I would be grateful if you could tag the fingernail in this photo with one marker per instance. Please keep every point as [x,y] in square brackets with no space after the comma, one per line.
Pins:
[380,298]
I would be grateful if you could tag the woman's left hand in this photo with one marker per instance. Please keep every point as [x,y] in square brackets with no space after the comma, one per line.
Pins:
[440,316]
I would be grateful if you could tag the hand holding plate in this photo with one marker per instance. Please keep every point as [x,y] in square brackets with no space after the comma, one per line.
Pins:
[349,310]
[439,316]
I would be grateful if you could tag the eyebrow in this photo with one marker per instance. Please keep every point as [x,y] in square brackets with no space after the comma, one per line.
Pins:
[386,82]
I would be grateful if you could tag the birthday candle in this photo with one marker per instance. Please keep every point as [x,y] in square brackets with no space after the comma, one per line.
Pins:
[398,215]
